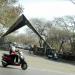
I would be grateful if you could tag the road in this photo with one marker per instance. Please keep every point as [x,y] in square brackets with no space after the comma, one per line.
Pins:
[38,66]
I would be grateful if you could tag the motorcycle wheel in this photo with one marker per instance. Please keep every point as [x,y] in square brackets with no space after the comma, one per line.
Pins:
[24,66]
[4,64]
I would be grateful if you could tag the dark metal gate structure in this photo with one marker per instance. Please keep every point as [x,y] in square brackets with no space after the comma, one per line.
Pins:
[22,21]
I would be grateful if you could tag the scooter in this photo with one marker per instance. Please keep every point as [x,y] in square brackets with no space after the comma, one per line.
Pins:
[7,60]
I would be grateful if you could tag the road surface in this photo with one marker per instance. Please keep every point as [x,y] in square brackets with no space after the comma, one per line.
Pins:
[38,66]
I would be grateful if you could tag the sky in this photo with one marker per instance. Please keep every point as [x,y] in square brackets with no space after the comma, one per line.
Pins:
[47,9]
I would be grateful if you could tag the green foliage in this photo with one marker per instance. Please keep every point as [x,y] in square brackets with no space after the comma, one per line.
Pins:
[7,2]
[9,13]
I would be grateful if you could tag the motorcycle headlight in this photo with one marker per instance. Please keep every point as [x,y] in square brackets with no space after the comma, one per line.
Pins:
[22,57]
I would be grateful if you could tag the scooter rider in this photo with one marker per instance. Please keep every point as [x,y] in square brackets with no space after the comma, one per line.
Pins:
[12,49]
[13,53]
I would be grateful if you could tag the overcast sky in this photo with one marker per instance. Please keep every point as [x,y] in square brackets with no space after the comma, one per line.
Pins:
[47,8]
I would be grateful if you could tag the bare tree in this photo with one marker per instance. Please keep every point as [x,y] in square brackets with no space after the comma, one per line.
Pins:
[42,27]
[67,23]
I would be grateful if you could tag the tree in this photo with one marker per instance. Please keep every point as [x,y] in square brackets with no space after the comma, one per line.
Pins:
[41,26]
[9,12]
[55,36]
[24,39]
[67,24]
[7,18]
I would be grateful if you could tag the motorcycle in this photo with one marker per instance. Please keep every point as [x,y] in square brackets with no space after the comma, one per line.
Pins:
[7,60]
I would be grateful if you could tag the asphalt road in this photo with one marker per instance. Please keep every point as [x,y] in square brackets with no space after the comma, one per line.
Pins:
[38,66]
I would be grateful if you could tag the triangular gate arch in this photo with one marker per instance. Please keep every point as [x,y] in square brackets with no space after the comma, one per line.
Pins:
[22,21]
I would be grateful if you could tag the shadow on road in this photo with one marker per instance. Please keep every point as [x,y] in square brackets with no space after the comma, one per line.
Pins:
[26,52]
[10,67]
[71,62]
[66,61]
